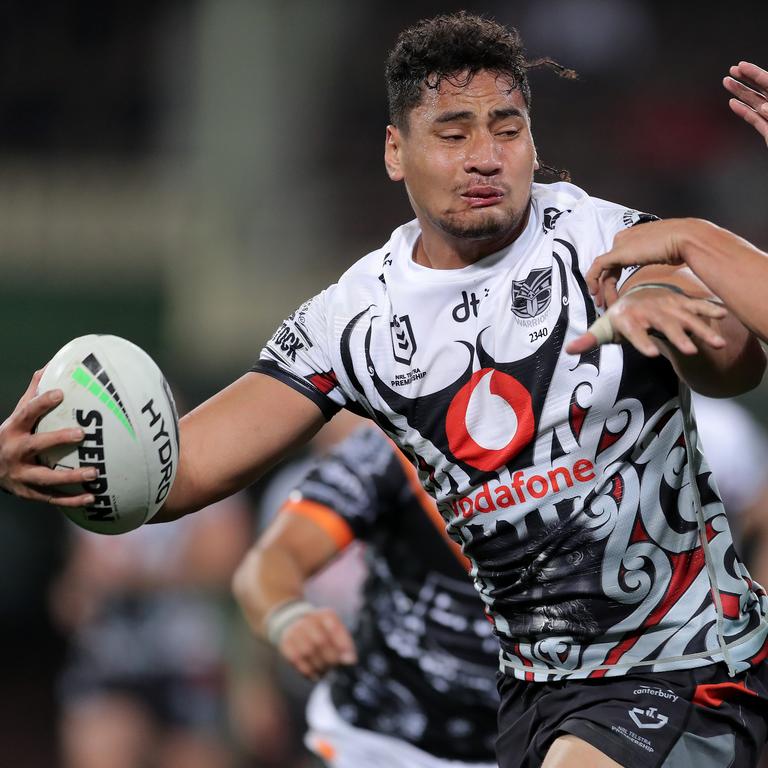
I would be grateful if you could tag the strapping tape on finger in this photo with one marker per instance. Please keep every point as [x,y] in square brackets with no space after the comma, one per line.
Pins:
[602,330]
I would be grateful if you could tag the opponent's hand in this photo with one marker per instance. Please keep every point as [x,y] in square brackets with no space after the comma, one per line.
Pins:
[643,314]
[19,447]
[657,242]
[316,642]
[749,85]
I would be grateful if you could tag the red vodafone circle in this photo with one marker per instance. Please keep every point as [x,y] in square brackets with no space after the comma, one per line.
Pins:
[461,443]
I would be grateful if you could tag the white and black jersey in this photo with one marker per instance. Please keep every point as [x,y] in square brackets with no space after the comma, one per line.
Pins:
[427,657]
[575,484]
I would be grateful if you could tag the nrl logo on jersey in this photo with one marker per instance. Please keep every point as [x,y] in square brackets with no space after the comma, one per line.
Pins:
[530,297]
[403,340]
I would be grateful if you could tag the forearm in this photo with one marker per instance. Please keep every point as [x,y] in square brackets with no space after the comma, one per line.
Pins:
[732,268]
[731,369]
[267,578]
[736,368]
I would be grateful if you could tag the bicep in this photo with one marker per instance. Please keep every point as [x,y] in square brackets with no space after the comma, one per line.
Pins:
[234,437]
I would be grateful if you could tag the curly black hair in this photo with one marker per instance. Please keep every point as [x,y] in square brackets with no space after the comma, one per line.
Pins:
[457,45]
[444,47]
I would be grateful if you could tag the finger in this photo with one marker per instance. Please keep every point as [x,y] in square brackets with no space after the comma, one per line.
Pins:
[45,477]
[302,665]
[747,95]
[55,499]
[340,637]
[33,410]
[326,647]
[703,331]
[582,344]
[675,335]
[302,656]
[602,330]
[750,116]
[31,390]
[705,308]
[609,264]
[683,322]
[43,441]
[756,76]
[608,289]
[636,335]
[313,642]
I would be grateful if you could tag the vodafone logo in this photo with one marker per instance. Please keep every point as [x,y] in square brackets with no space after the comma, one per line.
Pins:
[489,420]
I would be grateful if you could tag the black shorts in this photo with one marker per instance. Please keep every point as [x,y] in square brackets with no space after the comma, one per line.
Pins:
[699,717]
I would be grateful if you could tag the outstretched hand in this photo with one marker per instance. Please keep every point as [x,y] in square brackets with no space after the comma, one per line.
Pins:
[656,242]
[649,317]
[317,642]
[748,84]
[20,473]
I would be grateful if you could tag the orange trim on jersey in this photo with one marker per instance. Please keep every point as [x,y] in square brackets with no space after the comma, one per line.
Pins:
[427,503]
[325,517]
[324,749]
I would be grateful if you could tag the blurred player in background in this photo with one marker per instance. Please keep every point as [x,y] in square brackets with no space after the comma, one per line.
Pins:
[629,629]
[148,618]
[414,685]
[268,696]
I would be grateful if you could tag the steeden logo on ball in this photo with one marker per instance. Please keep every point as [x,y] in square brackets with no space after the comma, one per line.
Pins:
[116,393]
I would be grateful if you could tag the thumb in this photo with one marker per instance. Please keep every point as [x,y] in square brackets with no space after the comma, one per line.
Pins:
[582,344]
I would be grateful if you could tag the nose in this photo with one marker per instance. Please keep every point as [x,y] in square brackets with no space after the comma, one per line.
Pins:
[483,156]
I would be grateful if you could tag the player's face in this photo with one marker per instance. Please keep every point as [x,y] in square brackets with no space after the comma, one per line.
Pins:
[467,159]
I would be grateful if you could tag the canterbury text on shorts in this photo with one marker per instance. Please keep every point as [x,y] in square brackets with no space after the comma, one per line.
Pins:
[699,717]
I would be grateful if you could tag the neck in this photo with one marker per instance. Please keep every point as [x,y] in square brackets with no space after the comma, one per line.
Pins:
[437,250]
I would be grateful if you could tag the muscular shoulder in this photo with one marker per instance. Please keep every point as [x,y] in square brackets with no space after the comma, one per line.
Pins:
[589,223]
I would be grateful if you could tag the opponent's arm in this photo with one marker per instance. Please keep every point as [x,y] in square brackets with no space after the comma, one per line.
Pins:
[667,310]
[714,353]
[269,586]
[729,266]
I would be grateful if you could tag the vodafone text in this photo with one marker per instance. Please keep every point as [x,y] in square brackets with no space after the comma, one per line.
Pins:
[523,487]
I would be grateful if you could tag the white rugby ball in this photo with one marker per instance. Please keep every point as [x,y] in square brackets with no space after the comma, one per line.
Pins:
[116,393]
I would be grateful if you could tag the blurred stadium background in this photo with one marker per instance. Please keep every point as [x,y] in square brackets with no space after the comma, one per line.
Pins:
[185,172]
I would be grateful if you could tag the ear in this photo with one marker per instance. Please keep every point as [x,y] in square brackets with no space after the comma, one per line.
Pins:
[392,148]
[536,165]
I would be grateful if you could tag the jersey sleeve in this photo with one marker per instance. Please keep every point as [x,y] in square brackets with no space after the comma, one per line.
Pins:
[298,354]
[613,219]
[351,491]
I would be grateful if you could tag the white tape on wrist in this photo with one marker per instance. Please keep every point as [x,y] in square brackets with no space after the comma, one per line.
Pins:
[281,617]
[602,330]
